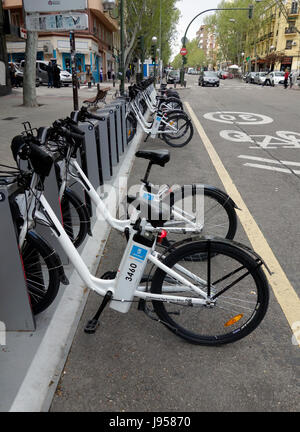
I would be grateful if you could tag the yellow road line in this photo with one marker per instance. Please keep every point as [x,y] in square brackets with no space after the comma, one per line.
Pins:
[283,290]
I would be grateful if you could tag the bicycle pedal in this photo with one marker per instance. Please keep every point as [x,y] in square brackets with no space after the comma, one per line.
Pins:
[91,326]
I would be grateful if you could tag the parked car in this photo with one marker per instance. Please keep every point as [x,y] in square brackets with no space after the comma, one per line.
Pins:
[209,78]
[275,77]
[191,71]
[19,75]
[42,74]
[173,77]
[250,77]
[223,74]
[260,77]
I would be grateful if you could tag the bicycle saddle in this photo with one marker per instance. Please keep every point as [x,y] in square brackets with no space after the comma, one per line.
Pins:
[157,157]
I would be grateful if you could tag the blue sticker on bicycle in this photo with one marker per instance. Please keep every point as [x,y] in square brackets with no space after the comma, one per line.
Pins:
[139,253]
[148,197]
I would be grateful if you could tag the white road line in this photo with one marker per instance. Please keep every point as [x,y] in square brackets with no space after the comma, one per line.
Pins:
[270,168]
[259,159]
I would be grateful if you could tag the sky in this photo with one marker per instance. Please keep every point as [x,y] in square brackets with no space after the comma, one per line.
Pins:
[189,9]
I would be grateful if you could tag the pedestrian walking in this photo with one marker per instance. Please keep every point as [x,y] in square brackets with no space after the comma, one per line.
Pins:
[286,78]
[12,73]
[50,74]
[128,74]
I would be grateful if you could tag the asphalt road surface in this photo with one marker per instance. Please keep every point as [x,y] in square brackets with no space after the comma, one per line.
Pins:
[250,145]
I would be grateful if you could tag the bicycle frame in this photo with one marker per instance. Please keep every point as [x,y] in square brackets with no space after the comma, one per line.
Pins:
[74,170]
[126,284]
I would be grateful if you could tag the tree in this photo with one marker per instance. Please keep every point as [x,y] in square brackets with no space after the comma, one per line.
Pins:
[142,17]
[5,87]
[196,57]
[29,80]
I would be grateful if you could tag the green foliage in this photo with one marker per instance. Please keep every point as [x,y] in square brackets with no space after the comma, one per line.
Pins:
[143,19]
[195,57]
[234,37]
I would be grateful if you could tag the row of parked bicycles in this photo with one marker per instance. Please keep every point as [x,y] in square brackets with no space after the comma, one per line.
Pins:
[180,263]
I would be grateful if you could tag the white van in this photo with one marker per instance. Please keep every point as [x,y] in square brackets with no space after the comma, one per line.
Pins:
[42,74]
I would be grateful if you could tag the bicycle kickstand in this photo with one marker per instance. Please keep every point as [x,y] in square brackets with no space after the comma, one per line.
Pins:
[92,324]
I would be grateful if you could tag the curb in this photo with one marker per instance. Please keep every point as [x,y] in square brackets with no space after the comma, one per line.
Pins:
[39,385]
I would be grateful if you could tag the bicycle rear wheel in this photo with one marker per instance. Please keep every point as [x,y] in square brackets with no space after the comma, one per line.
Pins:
[178,131]
[233,279]
[203,205]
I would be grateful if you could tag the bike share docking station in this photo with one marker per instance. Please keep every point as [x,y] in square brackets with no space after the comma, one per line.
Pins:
[15,309]
[105,142]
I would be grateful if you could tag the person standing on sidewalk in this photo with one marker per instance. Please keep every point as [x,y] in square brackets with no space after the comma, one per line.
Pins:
[286,78]
[50,74]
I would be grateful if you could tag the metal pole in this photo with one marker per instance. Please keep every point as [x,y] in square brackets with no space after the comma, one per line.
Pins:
[122,60]
[160,44]
[74,74]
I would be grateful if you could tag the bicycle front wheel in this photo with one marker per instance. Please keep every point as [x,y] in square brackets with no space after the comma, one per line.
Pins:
[233,280]
[41,273]
[75,217]
[178,131]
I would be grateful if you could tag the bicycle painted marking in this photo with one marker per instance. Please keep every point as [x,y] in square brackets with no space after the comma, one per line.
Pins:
[284,139]
[282,288]
[240,118]
[271,161]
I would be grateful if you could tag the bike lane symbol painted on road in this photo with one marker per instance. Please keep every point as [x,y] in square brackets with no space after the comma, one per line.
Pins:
[283,139]
[238,118]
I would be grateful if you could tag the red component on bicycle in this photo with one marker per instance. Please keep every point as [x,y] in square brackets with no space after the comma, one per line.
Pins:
[163,234]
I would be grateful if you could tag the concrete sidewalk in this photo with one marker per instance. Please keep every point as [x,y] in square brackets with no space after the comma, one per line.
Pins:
[53,104]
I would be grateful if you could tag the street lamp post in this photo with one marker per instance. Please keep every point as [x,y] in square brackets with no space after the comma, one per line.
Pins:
[249,9]
[154,43]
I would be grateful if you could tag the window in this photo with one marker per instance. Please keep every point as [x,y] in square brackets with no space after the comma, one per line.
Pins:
[288,44]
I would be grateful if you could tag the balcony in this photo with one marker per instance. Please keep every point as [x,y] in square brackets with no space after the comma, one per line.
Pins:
[290,30]
[294,11]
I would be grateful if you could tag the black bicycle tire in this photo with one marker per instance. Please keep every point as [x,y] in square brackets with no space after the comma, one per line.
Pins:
[70,198]
[216,247]
[35,245]
[222,199]
[175,100]
[167,137]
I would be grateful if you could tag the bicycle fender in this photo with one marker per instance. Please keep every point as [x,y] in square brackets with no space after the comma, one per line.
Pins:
[200,238]
[50,251]
[221,193]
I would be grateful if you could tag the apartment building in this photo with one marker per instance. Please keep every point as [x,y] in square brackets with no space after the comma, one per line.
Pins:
[276,43]
[207,42]
[96,47]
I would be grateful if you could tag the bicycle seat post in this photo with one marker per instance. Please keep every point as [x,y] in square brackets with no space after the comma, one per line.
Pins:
[145,179]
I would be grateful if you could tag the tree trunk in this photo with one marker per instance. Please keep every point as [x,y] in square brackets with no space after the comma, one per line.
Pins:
[5,87]
[29,80]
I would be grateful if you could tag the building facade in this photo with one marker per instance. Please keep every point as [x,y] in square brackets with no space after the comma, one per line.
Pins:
[275,43]
[96,47]
[207,42]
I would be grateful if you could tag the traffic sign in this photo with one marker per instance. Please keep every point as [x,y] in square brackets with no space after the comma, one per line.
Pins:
[183,51]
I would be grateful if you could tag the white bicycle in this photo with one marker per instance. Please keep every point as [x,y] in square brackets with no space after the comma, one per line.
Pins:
[218,300]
